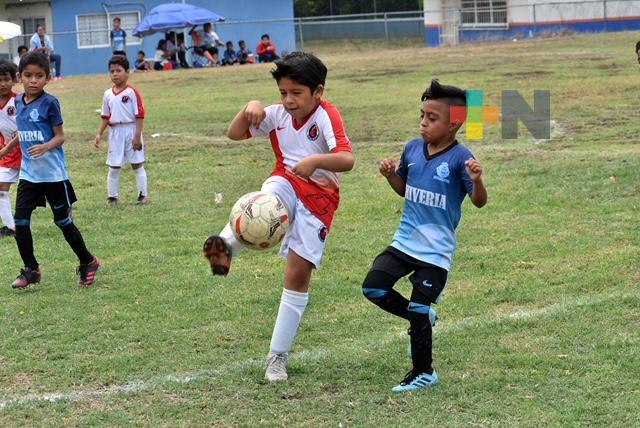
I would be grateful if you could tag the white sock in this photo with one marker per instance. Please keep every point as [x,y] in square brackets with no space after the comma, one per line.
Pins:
[292,306]
[231,240]
[113,180]
[5,211]
[141,180]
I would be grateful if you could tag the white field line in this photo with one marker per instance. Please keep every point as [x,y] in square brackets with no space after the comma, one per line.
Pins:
[306,356]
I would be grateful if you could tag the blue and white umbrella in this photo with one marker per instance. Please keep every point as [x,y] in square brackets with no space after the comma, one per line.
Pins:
[172,16]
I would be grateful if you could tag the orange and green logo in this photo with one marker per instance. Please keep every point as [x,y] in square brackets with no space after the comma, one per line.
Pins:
[514,107]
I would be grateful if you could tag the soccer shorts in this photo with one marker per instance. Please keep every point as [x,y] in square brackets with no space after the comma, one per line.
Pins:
[121,146]
[59,194]
[9,175]
[307,234]
[428,280]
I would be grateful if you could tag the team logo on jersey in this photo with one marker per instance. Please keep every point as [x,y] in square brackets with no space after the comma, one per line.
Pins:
[11,111]
[34,115]
[125,99]
[313,132]
[322,233]
[442,172]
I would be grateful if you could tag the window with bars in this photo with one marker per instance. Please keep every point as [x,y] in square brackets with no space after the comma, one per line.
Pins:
[93,30]
[484,12]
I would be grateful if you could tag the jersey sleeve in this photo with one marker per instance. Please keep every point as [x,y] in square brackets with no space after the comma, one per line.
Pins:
[55,113]
[138,106]
[106,111]
[334,134]
[267,125]
[467,184]
[402,170]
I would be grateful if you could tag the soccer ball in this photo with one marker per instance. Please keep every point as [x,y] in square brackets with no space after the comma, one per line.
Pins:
[259,220]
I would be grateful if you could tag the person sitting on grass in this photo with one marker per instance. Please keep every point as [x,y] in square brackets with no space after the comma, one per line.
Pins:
[141,64]
[229,56]
[638,51]
[245,56]
[266,50]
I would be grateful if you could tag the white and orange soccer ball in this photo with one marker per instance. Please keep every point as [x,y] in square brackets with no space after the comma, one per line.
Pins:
[259,220]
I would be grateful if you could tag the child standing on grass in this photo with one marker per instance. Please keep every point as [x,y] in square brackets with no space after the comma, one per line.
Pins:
[434,176]
[43,171]
[10,164]
[122,109]
[311,147]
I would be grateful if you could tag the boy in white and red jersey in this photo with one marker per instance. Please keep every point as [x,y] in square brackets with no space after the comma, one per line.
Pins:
[123,111]
[10,164]
[311,147]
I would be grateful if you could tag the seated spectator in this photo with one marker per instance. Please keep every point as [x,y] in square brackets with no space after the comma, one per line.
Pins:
[245,56]
[211,41]
[637,51]
[141,64]
[170,47]
[161,58]
[22,49]
[266,50]
[201,49]
[182,51]
[229,56]
[40,42]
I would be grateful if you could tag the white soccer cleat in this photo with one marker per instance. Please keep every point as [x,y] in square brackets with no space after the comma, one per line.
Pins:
[277,367]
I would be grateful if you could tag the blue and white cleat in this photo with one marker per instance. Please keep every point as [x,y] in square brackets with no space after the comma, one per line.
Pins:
[413,382]
[433,318]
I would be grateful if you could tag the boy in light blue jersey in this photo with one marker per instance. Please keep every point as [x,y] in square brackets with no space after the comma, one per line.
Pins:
[118,38]
[434,176]
[43,171]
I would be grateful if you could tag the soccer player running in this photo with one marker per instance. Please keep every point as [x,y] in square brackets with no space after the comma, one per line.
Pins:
[123,111]
[10,164]
[434,176]
[311,147]
[43,171]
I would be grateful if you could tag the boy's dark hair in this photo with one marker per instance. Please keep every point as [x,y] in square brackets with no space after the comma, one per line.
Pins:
[141,52]
[161,43]
[638,46]
[301,67]
[451,95]
[7,67]
[35,58]
[22,48]
[120,60]
[240,42]
[116,19]
[229,43]
[265,35]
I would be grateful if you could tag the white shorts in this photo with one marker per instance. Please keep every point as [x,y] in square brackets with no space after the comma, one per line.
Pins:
[9,175]
[121,146]
[307,234]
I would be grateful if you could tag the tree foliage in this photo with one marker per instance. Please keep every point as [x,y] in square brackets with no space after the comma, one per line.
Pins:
[305,8]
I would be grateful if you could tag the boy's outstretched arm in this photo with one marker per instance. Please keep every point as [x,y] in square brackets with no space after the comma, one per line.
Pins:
[251,114]
[479,194]
[387,168]
[336,162]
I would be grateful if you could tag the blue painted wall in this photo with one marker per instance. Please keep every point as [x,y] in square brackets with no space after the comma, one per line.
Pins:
[530,30]
[93,60]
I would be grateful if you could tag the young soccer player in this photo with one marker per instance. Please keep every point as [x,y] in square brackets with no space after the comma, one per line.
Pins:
[10,164]
[118,38]
[43,172]
[434,176]
[122,109]
[311,147]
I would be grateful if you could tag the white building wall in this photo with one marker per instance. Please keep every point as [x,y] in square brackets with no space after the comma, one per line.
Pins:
[14,11]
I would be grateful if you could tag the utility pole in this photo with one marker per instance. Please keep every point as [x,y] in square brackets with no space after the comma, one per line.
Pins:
[330,7]
[375,9]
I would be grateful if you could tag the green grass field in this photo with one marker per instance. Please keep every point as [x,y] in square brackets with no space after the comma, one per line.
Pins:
[539,324]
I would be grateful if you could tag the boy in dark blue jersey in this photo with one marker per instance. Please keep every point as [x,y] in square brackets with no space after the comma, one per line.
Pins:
[43,172]
[434,176]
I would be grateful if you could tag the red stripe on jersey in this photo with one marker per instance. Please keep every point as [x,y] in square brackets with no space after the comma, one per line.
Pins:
[322,202]
[140,114]
[13,159]
[342,142]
